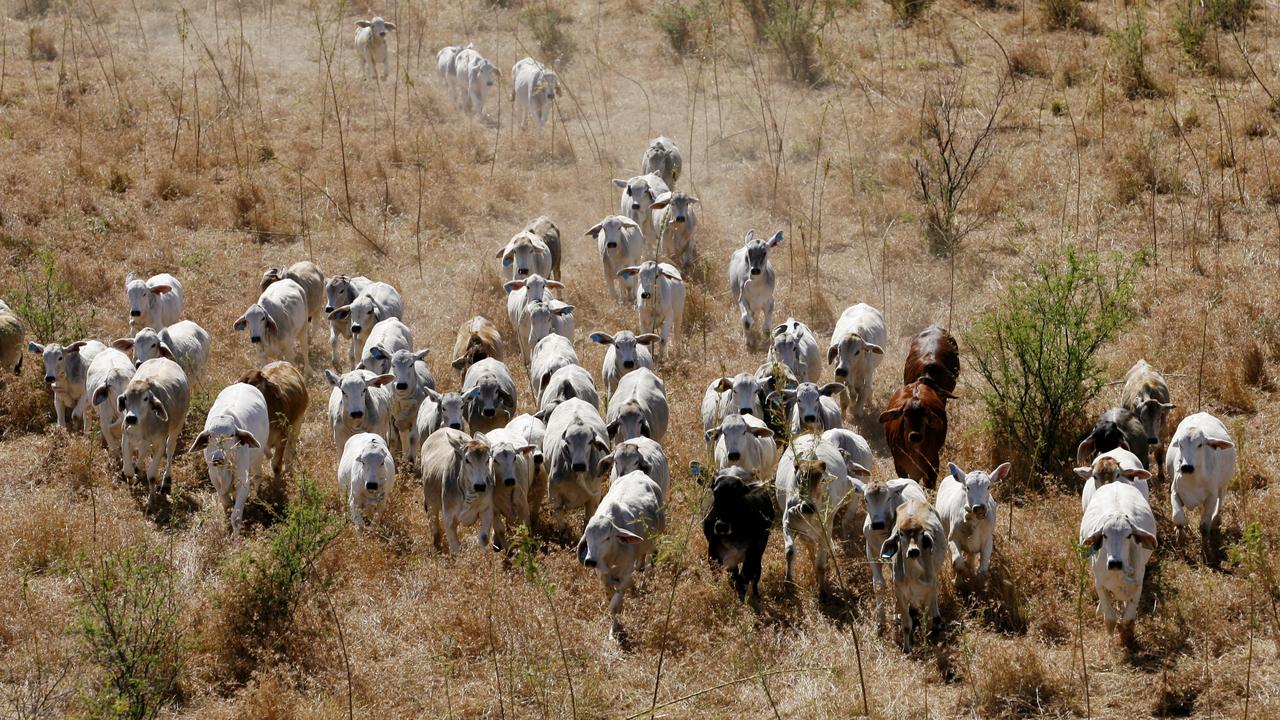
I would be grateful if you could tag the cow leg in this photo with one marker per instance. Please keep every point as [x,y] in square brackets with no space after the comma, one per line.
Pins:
[170,450]
[789,544]
[820,566]
[985,562]
[768,316]
[744,312]
[357,517]
[1107,605]
[126,454]
[59,410]
[1179,515]
[451,534]
[959,562]
[242,495]
[877,576]
[1209,520]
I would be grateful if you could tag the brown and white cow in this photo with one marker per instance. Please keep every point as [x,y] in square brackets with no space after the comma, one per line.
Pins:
[915,427]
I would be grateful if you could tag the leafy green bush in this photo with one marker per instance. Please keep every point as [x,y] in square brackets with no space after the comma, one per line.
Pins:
[1195,20]
[1036,354]
[686,25]
[547,23]
[1129,44]
[794,27]
[127,622]
[269,579]
[49,305]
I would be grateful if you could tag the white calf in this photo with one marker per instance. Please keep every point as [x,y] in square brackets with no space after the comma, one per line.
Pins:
[881,500]
[371,46]
[105,381]
[339,291]
[627,351]
[638,196]
[1117,465]
[65,372]
[813,484]
[751,281]
[234,443]
[359,402]
[276,323]
[857,346]
[366,474]
[662,158]
[1201,459]
[385,339]
[155,303]
[659,298]
[620,242]
[155,404]
[1119,531]
[743,441]
[676,223]
[534,86]
[473,76]
[738,394]
[620,535]
[795,346]
[968,514]
[377,302]
[639,407]
[185,343]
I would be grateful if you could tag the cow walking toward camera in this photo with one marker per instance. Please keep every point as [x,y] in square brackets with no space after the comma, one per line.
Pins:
[1201,461]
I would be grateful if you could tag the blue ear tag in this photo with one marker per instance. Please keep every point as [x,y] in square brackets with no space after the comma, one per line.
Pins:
[695,468]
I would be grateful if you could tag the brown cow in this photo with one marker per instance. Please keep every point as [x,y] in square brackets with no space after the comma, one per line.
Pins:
[286,394]
[478,338]
[934,355]
[915,427]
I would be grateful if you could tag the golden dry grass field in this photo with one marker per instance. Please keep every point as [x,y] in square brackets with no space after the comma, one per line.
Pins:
[215,139]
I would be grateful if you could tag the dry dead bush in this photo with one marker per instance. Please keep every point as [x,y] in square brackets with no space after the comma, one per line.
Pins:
[1141,169]
[1068,15]
[1029,60]
[1014,680]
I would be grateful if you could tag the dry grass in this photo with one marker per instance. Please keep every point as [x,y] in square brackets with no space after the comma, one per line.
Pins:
[126,148]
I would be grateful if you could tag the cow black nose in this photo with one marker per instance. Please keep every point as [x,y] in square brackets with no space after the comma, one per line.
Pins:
[455,426]
[628,364]
[135,313]
[635,206]
[487,412]
[357,414]
[478,487]
[255,339]
[49,379]
[402,386]
[371,487]
[810,418]
[509,482]
[1115,564]
[744,411]
[130,419]
[1187,469]
[328,308]
[589,562]
[755,271]
[914,436]
[355,329]
[807,508]
[644,296]
[980,510]
[841,372]
[722,528]
[877,525]
[913,552]
[579,467]
[611,244]
[679,218]
[522,271]
[1153,441]
[735,456]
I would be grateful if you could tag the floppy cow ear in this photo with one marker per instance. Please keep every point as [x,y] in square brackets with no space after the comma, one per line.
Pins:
[123,344]
[956,472]
[121,401]
[712,435]
[831,389]
[618,182]
[459,362]
[246,438]
[890,415]
[159,289]
[362,23]
[648,338]
[422,354]
[381,380]
[512,285]
[1138,474]
[612,428]
[1091,542]
[626,536]
[890,547]
[35,347]
[201,442]
[661,201]
[1085,451]
[762,432]
[724,384]
[831,353]
[874,348]
[341,313]
[166,352]
[856,470]
[389,26]
[502,251]
[100,395]
[626,272]
[1084,471]
[600,444]
[593,230]
[605,466]
[333,379]
[1144,538]
[1217,444]
[1168,406]
[667,274]
[602,338]
[566,310]
[239,324]
[157,407]
[1000,473]
[693,199]
[75,346]
[271,325]
[776,239]
[628,222]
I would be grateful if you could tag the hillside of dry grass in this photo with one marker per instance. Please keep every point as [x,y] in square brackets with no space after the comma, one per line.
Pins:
[216,139]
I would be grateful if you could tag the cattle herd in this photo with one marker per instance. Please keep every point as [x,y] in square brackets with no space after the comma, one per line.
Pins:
[781,452]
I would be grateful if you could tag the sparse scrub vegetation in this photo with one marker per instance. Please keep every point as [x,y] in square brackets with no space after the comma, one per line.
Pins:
[906,12]
[549,26]
[1036,354]
[130,628]
[1129,44]
[1067,15]
[49,304]
[687,24]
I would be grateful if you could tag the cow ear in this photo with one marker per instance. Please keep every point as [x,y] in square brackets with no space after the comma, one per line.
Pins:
[502,251]
[602,338]
[1084,471]
[422,354]
[831,353]
[271,326]
[566,310]
[628,222]
[121,401]
[832,389]
[890,415]
[1217,444]
[100,395]
[333,379]
[1000,473]
[74,347]
[201,442]
[1144,538]
[459,362]
[1124,443]
[1168,406]
[341,313]
[856,469]
[751,235]
[246,438]
[123,344]
[600,444]
[241,322]
[362,23]
[724,384]
[526,449]
[158,408]
[376,353]
[605,465]
[762,432]
[166,352]
[159,289]
[776,239]
[626,537]
[668,275]
[593,230]
[381,380]
[873,348]
[889,548]
[1085,451]
[612,428]
[693,199]
[1138,474]
[618,182]
[389,26]
[1091,542]
[648,338]
[712,435]
[661,201]
[432,393]
[513,285]
[35,347]
[956,472]
[626,272]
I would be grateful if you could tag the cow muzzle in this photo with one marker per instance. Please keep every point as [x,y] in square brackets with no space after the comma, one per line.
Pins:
[635,206]
[611,245]
[509,482]
[745,411]
[680,218]
[810,419]
[644,296]
[914,436]
[1187,469]
[402,386]
[913,551]
[979,510]
[49,379]
[877,524]
[255,339]
[135,313]
[488,412]
[1114,564]
[628,364]
[357,414]
[755,271]
[371,486]
[735,456]
[479,487]
[328,309]
[130,419]
[455,426]
[1153,441]
[722,528]
[842,372]
[356,329]
[579,467]
[589,562]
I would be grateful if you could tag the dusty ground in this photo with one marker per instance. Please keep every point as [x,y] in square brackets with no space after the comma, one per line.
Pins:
[141,137]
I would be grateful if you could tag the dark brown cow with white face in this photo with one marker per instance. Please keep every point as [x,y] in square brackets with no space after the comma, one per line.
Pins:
[915,427]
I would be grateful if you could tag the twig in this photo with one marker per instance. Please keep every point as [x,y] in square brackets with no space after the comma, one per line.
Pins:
[342,645]
[721,686]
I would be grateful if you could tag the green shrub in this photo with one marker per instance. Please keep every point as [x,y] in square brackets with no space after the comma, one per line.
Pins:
[1036,355]
[1129,44]
[907,12]
[127,622]
[268,580]
[1195,20]
[686,25]
[794,27]
[49,305]
[547,23]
